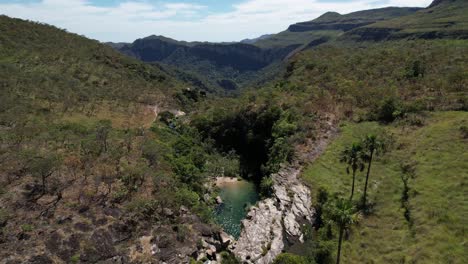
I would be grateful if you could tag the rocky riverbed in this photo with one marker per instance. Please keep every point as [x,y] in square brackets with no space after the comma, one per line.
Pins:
[277,221]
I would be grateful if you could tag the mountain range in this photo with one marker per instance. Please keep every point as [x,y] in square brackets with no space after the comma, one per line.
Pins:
[225,67]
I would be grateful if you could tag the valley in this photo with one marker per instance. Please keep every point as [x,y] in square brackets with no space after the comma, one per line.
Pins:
[340,138]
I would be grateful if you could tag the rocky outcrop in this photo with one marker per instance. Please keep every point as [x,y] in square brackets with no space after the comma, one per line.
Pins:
[278,221]
[275,221]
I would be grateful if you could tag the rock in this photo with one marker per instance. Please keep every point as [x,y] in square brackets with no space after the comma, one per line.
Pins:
[113,212]
[275,219]
[210,254]
[101,247]
[23,236]
[201,256]
[83,227]
[219,200]
[40,259]
[168,212]
[206,198]
[183,209]
[204,244]
[46,200]
[154,249]
[83,209]
[114,260]
[204,229]
[225,239]
[121,231]
[63,219]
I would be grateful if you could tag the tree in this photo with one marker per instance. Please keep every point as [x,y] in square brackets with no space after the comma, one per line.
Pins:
[342,213]
[43,167]
[353,157]
[372,146]
[103,128]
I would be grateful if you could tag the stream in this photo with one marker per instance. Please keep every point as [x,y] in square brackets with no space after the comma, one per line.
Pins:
[238,196]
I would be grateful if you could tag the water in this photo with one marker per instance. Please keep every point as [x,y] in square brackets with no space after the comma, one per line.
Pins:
[237,197]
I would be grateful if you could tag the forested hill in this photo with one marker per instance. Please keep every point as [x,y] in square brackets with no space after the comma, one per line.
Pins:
[329,26]
[442,19]
[229,66]
[222,66]
[82,152]
[78,70]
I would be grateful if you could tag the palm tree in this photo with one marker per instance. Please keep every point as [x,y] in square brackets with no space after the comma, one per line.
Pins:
[353,157]
[372,146]
[342,213]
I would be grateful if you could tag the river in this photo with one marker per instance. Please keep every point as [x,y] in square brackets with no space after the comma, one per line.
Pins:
[237,196]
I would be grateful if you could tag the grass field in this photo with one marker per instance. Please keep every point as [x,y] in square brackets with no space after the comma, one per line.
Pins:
[436,231]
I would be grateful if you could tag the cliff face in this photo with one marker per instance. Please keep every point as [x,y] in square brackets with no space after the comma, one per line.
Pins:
[225,66]
[335,21]
[275,220]
[239,56]
[443,19]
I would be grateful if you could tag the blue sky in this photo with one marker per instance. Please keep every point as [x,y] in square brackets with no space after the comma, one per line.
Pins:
[192,20]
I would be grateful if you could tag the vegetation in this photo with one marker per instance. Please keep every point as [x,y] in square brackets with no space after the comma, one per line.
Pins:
[373,146]
[342,214]
[411,183]
[287,258]
[443,19]
[94,147]
[352,156]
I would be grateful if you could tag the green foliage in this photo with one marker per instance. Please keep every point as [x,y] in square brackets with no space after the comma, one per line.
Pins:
[4,217]
[434,151]
[133,176]
[223,165]
[389,110]
[150,150]
[287,258]
[166,117]
[182,232]
[266,186]
[103,128]
[445,20]
[228,258]
[75,258]
[27,228]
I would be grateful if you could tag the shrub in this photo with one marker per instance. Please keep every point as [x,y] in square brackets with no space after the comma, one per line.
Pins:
[288,258]
[266,186]
[150,151]
[182,232]
[27,228]
[388,110]
[227,258]
[166,117]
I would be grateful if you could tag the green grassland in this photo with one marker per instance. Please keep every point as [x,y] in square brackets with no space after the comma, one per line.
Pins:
[436,230]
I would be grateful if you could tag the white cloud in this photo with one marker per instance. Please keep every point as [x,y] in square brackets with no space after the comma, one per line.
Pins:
[134,19]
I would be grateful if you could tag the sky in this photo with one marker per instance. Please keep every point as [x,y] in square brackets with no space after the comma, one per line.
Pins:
[190,20]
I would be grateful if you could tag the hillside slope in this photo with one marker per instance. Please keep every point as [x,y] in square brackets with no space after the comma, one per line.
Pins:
[330,25]
[432,229]
[442,19]
[79,67]
[88,173]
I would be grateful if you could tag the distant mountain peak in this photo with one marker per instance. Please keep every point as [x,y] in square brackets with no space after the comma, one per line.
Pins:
[329,16]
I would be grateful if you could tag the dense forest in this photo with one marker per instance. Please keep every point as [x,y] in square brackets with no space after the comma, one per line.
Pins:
[109,153]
